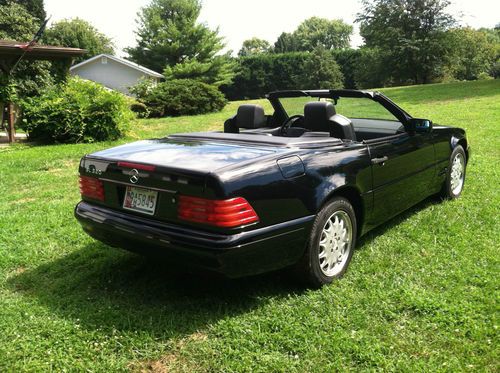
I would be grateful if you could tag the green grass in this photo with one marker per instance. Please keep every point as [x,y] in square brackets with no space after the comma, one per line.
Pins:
[421,293]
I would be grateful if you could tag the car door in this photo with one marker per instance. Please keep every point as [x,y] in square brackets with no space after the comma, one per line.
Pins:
[402,172]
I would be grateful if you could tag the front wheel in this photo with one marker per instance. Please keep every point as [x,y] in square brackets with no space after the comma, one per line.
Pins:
[331,244]
[455,177]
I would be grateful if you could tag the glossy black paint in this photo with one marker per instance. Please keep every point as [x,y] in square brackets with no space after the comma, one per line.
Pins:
[286,181]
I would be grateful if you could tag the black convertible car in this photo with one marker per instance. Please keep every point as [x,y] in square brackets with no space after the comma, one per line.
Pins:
[295,188]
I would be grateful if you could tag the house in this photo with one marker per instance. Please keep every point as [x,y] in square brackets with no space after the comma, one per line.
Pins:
[113,72]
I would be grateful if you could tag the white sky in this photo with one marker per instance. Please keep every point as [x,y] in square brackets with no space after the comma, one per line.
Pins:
[239,20]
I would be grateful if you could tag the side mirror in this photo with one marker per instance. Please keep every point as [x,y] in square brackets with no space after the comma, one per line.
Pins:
[419,125]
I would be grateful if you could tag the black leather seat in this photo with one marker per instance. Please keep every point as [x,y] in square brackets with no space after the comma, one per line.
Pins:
[248,117]
[320,116]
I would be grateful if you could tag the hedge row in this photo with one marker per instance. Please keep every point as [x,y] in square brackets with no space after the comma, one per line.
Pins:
[263,73]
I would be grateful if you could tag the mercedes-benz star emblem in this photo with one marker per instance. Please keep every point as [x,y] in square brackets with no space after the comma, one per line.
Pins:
[134,176]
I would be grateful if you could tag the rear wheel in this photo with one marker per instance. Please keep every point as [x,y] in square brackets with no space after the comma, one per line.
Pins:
[455,176]
[330,246]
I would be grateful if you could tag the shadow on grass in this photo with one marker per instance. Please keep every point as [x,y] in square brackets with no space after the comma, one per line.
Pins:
[107,289]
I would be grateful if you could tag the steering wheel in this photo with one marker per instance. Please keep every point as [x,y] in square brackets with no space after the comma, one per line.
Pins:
[288,123]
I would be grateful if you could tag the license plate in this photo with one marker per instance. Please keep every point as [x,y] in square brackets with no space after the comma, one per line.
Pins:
[140,200]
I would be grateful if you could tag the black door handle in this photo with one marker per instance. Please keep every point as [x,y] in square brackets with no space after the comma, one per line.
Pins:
[380,161]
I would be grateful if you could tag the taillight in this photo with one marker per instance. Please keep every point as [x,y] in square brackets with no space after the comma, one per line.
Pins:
[229,213]
[137,166]
[91,187]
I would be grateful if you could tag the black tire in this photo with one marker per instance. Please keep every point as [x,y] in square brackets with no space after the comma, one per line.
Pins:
[448,192]
[309,268]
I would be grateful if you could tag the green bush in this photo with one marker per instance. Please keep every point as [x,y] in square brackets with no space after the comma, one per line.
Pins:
[77,111]
[181,97]
[140,109]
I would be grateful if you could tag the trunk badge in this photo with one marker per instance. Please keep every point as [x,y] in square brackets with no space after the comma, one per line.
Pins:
[134,176]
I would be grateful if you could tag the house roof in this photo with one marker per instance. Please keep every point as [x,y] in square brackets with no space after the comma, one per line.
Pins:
[10,48]
[122,61]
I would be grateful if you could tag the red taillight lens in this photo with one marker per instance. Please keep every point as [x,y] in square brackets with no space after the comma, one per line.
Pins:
[91,187]
[228,213]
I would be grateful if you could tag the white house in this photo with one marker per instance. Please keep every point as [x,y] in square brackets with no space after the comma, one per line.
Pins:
[113,72]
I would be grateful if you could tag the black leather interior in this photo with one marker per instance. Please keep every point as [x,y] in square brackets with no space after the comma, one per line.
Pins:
[248,117]
[320,116]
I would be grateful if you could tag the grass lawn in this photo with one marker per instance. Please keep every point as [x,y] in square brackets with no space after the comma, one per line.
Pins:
[421,293]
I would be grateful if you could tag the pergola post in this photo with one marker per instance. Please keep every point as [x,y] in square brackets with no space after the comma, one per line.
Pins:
[11,131]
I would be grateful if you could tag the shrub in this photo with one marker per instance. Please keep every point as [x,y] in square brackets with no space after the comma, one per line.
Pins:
[484,76]
[140,109]
[181,97]
[78,111]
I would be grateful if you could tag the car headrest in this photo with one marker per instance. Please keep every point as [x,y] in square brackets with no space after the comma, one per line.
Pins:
[251,116]
[317,116]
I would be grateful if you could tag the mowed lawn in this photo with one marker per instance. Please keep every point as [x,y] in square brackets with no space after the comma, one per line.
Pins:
[421,293]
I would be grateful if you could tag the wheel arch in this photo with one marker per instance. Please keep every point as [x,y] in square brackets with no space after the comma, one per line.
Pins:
[353,195]
[462,141]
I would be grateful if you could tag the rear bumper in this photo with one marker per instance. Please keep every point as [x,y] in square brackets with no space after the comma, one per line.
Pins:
[241,254]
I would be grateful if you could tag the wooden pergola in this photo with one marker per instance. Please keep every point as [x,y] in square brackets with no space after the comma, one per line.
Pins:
[12,51]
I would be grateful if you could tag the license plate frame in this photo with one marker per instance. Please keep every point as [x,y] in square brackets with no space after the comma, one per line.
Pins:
[141,200]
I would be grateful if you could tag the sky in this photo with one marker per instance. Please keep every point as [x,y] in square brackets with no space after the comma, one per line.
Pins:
[239,20]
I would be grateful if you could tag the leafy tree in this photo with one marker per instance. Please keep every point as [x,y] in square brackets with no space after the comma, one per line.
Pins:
[34,7]
[30,77]
[410,36]
[265,72]
[473,53]
[287,42]
[169,34]
[217,71]
[315,32]
[77,33]
[254,46]
[321,71]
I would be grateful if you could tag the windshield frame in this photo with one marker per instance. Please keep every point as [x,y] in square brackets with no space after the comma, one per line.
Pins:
[336,94]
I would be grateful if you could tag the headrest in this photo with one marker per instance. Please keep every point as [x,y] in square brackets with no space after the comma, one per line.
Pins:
[317,116]
[251,116]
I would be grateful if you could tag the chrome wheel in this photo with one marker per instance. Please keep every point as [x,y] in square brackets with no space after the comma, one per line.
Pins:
[457,174]
[335,243]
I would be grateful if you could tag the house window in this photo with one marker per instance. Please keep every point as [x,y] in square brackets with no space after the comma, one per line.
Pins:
[104,60]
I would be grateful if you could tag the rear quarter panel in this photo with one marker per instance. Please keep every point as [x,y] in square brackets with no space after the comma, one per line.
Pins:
[278,199]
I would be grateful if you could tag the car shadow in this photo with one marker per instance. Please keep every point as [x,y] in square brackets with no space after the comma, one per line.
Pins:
[395,221]
[113,290]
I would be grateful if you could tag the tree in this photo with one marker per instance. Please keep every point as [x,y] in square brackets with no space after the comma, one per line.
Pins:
[218,71]
[321,71]
[473,53]
[30,77]
[169,34]
[410,35]
[315,32]
[34,7]
[254,46]
[77,33]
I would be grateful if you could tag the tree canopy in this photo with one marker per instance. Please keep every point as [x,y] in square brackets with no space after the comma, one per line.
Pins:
[30,77]
[409,35]
[315,32]
[169,34]
[254,46]
[78,33]
[34,7]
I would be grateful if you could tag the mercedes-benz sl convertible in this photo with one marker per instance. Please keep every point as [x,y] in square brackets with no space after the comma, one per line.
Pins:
[291,188]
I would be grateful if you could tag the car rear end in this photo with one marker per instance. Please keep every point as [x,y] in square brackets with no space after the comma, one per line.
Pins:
[170,200]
